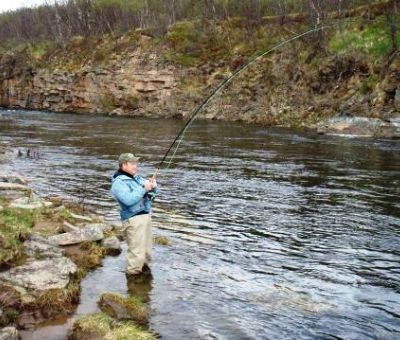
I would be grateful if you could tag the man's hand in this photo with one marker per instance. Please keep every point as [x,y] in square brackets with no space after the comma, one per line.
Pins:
[153,182]
[148,185]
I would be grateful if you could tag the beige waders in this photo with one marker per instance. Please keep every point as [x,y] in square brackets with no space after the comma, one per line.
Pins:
[139,238]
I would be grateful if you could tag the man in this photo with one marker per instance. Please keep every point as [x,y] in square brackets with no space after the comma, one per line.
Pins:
[134,195]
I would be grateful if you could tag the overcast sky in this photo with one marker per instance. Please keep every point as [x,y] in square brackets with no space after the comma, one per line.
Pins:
[6,5]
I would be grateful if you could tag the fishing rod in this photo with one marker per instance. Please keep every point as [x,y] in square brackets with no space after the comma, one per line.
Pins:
[178,139]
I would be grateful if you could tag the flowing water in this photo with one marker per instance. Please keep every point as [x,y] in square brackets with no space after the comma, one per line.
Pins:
[274,233]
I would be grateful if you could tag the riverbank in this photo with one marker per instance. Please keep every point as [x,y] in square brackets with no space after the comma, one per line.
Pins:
[47,248]
[347,74]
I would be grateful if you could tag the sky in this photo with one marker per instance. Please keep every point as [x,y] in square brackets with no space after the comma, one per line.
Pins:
[6,5]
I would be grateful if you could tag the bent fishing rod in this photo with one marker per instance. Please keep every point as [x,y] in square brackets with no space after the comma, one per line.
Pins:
[178,139]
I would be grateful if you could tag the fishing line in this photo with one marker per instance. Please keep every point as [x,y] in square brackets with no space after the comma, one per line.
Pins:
[178,139]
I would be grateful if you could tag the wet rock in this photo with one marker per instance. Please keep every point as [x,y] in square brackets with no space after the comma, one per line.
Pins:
[30,203]
[113,245]
[92,233]
[359,126]
[9,333]
[38,246]
[117,112]
[41,275]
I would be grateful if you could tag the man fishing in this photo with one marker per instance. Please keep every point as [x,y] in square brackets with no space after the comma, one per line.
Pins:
[134,195]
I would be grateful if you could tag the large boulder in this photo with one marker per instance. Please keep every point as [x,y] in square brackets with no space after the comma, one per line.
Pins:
[92,233]
[38,246]
[41,275]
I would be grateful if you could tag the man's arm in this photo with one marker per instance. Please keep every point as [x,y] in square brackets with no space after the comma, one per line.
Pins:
[122,193]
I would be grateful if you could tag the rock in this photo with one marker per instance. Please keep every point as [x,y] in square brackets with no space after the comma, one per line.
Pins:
[12,186]
[117,112]
[359,126]
[113,245]
[40,275]
[9,333]
[69,228]
[38,246]
[103,226]
[121,308]
[82,218]
[1,208]
[31,202]
[82,235]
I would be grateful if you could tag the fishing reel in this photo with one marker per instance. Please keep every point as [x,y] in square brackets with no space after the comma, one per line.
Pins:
[151,196]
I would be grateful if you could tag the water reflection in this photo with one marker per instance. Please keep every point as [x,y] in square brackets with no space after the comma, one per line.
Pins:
[275,233]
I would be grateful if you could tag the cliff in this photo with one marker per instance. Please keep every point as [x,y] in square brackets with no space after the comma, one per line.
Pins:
[136,74]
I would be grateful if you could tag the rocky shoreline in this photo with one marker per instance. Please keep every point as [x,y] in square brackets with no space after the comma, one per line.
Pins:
[47,248]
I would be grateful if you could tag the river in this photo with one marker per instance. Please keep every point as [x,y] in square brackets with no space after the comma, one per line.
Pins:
[275,233]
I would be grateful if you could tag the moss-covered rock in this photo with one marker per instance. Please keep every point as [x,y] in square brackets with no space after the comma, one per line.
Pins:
[120,308]
[101,326]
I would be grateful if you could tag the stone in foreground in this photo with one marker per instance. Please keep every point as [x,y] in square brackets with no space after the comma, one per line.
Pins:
[112,244]
[83,235]
[41,275]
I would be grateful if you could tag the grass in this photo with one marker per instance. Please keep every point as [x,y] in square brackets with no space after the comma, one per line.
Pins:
[102,326]
[86,256]
[371,39]
[162,240]
[59,301]
[15,227]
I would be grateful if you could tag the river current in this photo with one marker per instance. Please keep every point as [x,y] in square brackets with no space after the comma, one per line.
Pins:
[275,233]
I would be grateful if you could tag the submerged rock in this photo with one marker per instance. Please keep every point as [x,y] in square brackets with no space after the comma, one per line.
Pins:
[41,275]
[92,233]
[9,333]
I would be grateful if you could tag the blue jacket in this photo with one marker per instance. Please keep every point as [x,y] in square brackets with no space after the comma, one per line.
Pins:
[130,193]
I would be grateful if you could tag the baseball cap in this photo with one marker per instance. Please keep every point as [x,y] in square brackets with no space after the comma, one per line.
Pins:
[127,157]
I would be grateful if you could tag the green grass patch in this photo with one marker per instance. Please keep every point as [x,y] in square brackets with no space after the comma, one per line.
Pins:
[15,226]
[102,326]
[372,39]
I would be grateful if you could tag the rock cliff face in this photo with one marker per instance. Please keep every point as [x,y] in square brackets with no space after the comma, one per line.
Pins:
[129,88]
[284,90]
